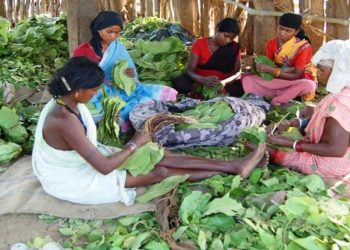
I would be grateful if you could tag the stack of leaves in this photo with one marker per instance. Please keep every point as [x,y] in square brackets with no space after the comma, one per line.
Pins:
[8,151]
[13,132]
[121,80]
[108,129]
[155,29]
[143,161]
[159,62]
[208,114]
[263,60]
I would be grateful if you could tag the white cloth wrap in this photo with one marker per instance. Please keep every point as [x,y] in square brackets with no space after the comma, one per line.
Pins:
[339,52]
[67,176]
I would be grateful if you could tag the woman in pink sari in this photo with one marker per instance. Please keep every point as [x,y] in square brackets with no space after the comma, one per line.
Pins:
[325,149]
[293,73]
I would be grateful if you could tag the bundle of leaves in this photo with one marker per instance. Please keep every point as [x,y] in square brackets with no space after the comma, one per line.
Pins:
[108,129]
[264,60]
[159,61]
[121,80]
[17,129]
[208,115]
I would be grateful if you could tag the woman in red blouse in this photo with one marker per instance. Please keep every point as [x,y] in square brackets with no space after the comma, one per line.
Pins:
[294,75]
[212,58]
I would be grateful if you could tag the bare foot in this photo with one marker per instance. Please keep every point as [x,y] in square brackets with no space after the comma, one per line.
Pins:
[264,161]
[252,160]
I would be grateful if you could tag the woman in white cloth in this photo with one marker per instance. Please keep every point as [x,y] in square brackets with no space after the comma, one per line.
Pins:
[69,165]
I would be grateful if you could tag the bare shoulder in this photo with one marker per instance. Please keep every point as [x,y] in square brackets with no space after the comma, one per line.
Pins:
[59,127]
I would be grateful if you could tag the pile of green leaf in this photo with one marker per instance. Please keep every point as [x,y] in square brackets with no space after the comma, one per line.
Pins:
[16,131]
[32,50]
[159,61]
[155,29]
[264,60]
[208,115]
[278,209]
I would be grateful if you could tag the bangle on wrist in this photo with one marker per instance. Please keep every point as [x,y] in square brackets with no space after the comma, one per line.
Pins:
[299,146]
[295,144]
[133,147]
[276,72]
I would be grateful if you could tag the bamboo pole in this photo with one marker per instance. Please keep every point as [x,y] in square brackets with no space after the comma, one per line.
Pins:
[255,12]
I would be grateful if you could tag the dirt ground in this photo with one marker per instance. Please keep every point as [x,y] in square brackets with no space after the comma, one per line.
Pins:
[23,227]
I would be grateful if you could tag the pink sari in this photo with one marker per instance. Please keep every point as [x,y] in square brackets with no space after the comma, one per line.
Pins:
[336,106]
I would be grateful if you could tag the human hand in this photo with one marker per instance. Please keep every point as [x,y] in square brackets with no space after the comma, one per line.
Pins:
[250,61]
[279,128]
[280,140]
[140,138]
[130,72]
[210,81]
[263,68]
[307,112]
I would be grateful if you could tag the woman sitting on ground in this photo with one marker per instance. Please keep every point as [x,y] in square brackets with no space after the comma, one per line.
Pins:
[213,59]
[294,74]
[66,156]
[326,147]
[105,49]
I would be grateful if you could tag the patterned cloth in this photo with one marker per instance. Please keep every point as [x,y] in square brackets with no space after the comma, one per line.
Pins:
[143,93]
[336,106]
[247,114]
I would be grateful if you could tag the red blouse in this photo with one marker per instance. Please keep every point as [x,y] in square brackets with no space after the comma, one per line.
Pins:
[201,48]
[86,50]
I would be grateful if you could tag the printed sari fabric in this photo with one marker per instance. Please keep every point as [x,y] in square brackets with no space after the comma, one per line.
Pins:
[143,93]
[336,106]
[294,54]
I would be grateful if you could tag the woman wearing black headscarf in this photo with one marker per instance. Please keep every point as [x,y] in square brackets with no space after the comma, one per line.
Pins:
[293,73]
[105,49]
[212,59]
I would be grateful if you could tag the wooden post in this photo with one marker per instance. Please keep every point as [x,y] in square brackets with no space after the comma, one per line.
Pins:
[185,15]
[2,8]
[247,35]
[80,13]
[264,26]
[130,10]
[9,13]
[156,8]
[149,8]
[339,9]
[205,7]
[312,32]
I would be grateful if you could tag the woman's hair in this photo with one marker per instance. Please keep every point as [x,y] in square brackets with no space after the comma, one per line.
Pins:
[228,25]
[77,73]
[294,21]
[103,20]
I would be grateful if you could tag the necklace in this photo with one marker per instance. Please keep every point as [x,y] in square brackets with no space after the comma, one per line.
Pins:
[77,114]
[212,46]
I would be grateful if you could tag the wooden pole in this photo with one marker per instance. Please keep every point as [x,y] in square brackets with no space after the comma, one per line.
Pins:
[80,13]
[255,12]
[339,9]
[264,26]
[2,8]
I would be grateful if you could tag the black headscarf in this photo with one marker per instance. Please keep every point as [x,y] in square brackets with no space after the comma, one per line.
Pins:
[103,20]
[294,21]
[228,25]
